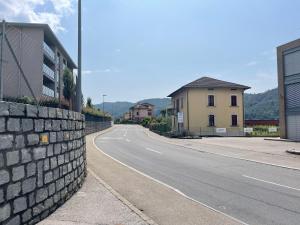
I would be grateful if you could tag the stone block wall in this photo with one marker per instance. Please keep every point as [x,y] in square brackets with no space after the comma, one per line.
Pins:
[42,160]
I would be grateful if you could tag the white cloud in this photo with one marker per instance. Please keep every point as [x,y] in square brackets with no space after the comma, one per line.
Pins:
[252,63]
[108,70]
[33,11]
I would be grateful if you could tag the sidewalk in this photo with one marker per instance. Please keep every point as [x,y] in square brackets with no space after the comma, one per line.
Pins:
[93,204]
[247,148]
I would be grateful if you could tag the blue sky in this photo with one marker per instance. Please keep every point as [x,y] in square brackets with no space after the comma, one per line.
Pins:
[136,49]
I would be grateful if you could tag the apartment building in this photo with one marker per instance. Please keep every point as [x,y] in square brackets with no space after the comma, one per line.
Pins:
[140,111]
[209,106]
[42,58]
[288,65]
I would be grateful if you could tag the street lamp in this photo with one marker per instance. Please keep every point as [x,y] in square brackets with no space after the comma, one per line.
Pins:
[78,84]
[103,103]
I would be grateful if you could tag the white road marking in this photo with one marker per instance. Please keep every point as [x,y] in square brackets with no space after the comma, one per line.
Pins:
[152,150]
[128,140]
[269,182]
[111,138]
[166,185]
[125,133]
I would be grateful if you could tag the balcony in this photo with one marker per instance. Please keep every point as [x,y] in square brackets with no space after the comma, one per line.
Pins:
[49,51]
[48,91]
[49,72]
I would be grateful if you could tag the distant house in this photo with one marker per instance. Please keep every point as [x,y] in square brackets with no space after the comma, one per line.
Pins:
[209,106]
[126,116]
[140,111]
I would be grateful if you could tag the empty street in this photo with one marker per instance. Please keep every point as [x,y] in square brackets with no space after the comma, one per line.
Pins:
[253,193]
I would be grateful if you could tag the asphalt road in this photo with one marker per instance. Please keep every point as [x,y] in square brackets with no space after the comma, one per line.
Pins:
[252,192]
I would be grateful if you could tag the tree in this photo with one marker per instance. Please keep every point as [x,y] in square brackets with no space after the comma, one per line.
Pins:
[89,102]
[69,86]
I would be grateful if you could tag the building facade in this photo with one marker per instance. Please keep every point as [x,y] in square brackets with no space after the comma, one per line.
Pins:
[288,65]
[140,111]
[209,106]
[42,58]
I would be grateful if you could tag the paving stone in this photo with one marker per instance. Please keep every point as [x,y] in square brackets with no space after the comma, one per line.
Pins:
[13,190]
[26,155]
[53,162]
[41,194]
[59,113]
[20,142]
[14,221]
[13,124]
[48,203]
[2,125]
[39,153]
[57,149]
[18,173]
[31,199]
[4,108]
[27,125]
[51,189]
[50,151]
[48,177]
[28,185]
[33,139]
[39,125]
[60,136]
[52,113]
[6,141]
[48,125]
[20,204]
[1,160]
[52,137]
[43,112]
[60,159]
[4,177]
[40,173]
[12,158]
[46,164]
[27,215]
[31,111]
[16,109]
[1,196]
[4,212]
[60,184]
[31,169]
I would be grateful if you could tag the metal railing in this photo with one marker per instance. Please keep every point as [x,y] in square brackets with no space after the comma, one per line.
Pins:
[48,71]
[48,91]
[49,51]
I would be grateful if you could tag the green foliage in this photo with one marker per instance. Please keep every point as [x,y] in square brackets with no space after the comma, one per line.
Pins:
[69,85]
[263,105]
[89,102]
[263,131]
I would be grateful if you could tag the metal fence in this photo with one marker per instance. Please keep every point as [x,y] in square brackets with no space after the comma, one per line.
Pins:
[30,70]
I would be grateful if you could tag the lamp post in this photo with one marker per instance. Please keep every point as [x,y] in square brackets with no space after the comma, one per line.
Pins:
[78,84]
[103,103]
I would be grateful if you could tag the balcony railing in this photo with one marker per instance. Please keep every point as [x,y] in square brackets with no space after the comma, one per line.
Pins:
[49,51]
[48,91]
[48,71]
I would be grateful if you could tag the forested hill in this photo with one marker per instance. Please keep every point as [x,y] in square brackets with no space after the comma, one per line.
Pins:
[262,105]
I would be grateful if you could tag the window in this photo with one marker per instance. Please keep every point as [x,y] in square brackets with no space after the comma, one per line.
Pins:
[211,100]
[181,103]
[149,113]
[137,113]
[211,120]
[234,120]
[233,100]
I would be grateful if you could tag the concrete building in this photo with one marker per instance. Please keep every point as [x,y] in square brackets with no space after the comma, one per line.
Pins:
[209,106]
[42,58]
[140,111]
[288,64]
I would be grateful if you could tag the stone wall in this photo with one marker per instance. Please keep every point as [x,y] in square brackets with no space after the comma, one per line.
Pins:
[95,126]
[42,160]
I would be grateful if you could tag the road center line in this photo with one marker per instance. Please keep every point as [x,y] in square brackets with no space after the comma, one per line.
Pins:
[269,182]
[152,150]
[128,140]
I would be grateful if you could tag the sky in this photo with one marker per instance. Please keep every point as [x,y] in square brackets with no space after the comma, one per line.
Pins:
[137,49]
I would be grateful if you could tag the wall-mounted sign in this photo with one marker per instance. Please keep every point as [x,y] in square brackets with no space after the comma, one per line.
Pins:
[272,129]
[248,129]
[220,130]
[44,139]
[180,117]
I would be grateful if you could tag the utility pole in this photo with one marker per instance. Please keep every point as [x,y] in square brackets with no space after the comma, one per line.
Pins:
[78,85]
[1,59]
[103,103]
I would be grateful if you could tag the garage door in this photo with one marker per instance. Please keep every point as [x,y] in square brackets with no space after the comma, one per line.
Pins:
[293,127]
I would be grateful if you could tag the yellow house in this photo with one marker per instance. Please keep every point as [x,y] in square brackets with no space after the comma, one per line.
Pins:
[209,106]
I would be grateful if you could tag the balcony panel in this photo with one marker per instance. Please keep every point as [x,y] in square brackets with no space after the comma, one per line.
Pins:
[49,51]
[48,91]
[48,71]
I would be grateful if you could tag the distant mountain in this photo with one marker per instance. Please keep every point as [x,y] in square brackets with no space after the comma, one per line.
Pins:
[257,106]
[262,105]
[117,109]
